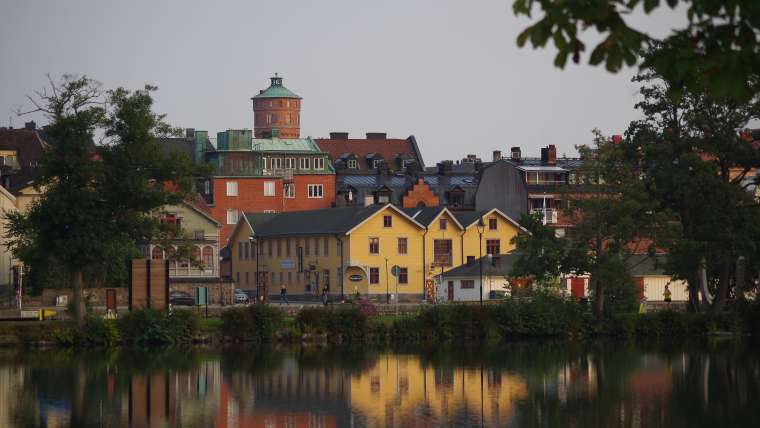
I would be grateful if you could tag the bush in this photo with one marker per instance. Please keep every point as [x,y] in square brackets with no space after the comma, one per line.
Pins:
[98,331]
[152,327]
[346,322]
[255,322]
[542,315]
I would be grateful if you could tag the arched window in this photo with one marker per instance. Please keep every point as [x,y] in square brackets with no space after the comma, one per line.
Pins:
[208,257]
[157,253]
[196,252]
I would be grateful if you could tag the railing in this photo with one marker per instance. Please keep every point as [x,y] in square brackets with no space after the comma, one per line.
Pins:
[548,214]
[542,181]
[191,272]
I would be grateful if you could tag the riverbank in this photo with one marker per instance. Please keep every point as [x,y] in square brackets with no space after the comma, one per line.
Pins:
[540,317]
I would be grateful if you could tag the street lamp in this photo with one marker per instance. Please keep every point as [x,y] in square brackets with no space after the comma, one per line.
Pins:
[255,247]
[481,228]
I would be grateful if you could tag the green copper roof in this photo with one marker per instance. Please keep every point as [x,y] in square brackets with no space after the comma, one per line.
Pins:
[276,90]
[285,145]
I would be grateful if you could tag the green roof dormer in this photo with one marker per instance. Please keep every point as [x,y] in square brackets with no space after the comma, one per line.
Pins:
[276,90]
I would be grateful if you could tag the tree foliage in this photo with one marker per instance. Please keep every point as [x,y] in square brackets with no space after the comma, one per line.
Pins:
[99,200]
[718,48]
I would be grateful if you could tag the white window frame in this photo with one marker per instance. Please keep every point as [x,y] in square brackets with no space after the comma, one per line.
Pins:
[207,187]
[276,163]
[316,191]
[352,164]
[319,163]
[232,188]
[270,188]
[376,163]
[232,216]
[305,163]
[289,190]
[290,163]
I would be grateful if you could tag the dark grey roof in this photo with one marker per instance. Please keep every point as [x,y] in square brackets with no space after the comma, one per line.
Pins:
[177,145]
[424,215]
[500,265]
[468,217]
[644,264]
[313,222]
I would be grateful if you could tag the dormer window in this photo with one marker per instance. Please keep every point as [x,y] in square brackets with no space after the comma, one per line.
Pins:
[319,163]
[352,164]
[377,163]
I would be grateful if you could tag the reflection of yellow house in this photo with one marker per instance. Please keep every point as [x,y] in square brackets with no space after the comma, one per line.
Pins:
[389,392]
[349,250]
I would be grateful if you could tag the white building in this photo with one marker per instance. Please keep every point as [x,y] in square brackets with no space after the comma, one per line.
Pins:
[462,283]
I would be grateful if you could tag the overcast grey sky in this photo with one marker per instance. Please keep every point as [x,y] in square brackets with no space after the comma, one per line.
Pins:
[447,71]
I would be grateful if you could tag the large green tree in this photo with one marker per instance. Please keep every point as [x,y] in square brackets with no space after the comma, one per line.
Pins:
[696,164]
[720,39]
[99,200]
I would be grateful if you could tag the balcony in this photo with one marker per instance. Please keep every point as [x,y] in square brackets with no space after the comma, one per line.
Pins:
[548,214]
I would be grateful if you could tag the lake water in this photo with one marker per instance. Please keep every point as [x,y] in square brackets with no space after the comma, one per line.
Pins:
[536,384]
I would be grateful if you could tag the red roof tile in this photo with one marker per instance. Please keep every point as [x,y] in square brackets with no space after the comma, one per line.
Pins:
[388,149]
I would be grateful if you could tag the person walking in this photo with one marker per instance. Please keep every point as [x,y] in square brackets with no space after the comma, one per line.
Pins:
[324,296]
[283,295]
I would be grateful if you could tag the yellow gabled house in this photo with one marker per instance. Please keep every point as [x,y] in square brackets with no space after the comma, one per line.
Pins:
[345,250]
[353,250]
[454,238]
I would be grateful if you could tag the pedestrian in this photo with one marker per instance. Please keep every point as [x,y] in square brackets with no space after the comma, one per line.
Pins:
[667,295]
[324,296]
[283,295]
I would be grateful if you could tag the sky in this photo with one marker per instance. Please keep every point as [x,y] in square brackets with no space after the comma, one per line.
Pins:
[446,71]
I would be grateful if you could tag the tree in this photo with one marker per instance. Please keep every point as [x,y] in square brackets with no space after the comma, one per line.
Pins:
[696,163]
[612,219]
[99,200]
[721,40]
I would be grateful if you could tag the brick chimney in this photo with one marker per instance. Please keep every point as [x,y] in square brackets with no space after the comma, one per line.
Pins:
[515,154]
[496,155]
[549,155]
[339,135]
[376,136]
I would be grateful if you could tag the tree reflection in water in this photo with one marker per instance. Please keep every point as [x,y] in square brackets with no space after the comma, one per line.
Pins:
[522,384]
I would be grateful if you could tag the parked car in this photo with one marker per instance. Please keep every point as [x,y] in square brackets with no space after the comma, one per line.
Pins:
[180,298]
[241,296]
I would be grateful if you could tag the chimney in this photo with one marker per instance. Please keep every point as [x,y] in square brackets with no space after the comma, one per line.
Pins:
[552,152]
[376,136]
[30,126]
[445,166]
[496,155]
[339,135]
[515,154]
[617,139]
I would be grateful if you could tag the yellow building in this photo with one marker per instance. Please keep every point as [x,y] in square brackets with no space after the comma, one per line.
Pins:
[345,250]
[7,204]
[353,250]
[454,238]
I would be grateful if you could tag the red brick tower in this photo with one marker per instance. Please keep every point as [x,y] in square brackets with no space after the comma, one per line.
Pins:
[276,108]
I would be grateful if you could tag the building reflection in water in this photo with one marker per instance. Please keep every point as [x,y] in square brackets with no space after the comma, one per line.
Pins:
[525,386]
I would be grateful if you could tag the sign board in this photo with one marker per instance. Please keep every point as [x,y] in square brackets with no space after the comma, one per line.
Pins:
[395,270]
[355,278]
[201,296]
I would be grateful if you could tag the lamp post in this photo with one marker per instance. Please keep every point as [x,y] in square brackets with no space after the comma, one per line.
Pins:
[255,247]
[481,228]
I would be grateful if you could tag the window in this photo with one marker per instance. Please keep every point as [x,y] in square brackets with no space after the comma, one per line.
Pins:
[470,259]
[199,235]
[402,246]
[374,275]
[442,223]
[276,163]
[377,163]
[246,250]
[319,163]
[208,257]
[269,188]
[269,247]
[305,163]
[290,163]
[247,278]
[238,278]
[442,252]
[232,188]
[287,247]
[240,251]
[493,246]
[316,191]
[326,246]
[232,216]
[387,221]
[403,275]
[269,117]
[492,224]
[307,246]
[290,190]
[316,246]
[467,283]
[352,164]
[374,245]
[279,247]
[207,187]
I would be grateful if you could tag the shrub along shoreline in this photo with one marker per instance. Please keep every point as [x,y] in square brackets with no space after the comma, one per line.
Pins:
[539,317]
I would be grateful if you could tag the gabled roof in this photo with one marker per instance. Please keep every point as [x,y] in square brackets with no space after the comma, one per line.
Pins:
[29,147]
[199,205]
[428,215]
[314,222]
[470,218]
[384,148]
[645,265]
[500,265]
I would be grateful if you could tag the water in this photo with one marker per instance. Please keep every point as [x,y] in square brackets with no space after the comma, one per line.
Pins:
[604,384]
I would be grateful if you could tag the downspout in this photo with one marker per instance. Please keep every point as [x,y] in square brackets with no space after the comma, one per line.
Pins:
[424,265]
[342,272]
